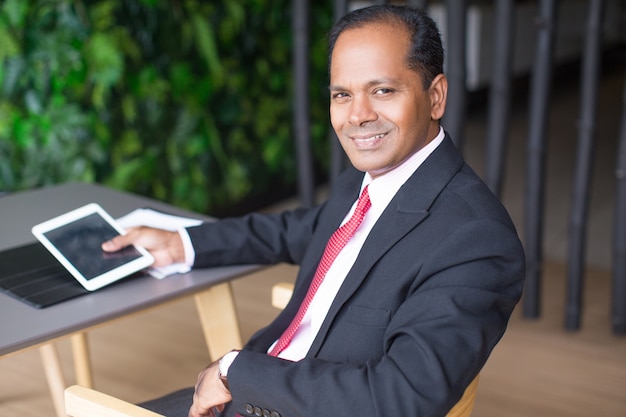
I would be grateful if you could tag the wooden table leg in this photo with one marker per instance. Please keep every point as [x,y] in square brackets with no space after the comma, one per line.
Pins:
[218,316]
[54,374]
[82,362]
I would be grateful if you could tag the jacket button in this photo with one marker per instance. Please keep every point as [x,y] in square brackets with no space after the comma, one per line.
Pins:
[249,409]
[258,412]
[275,414]
[266,412]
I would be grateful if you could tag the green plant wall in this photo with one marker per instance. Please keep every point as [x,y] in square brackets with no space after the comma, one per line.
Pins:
[186,101]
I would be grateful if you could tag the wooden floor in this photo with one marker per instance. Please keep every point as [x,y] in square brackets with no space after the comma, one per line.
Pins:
[538,369]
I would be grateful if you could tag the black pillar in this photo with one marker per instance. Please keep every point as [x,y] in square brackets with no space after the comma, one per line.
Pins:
[500,94]
[618,308]
[301,122]
[454,118]
[584,161]
[535,175]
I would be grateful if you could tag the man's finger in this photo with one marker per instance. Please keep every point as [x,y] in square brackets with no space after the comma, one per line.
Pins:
[117,243]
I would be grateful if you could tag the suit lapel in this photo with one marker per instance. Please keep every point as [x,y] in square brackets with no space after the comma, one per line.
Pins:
[409,207]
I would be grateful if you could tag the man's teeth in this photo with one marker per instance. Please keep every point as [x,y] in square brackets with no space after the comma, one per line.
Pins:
[370,139]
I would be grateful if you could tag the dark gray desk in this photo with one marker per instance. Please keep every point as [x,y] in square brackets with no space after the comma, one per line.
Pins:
[29,327]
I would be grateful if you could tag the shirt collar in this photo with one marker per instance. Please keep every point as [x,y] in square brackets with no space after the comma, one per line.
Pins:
[382,189]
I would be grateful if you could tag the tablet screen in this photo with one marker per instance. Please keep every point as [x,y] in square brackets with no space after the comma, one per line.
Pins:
[80,243]
[75,239]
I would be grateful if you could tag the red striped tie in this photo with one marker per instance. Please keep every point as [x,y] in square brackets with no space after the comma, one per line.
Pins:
[335,244]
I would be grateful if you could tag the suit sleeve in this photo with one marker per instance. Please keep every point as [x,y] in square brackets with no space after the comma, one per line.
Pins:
[438,339]
[254,239]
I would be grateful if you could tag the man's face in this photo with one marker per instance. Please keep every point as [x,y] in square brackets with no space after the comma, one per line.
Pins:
[378,107]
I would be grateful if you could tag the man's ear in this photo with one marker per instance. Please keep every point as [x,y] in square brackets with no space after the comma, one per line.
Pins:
[438,93]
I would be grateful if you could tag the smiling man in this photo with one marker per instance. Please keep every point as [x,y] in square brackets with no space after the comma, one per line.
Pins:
[408,272]
[383,110]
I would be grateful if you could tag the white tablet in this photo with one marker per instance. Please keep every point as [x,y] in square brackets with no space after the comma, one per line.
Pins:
[75,239]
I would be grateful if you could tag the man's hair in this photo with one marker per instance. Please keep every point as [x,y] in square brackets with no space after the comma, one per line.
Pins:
[425,54]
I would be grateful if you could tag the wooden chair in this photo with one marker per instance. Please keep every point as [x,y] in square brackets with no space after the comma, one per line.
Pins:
[85,402]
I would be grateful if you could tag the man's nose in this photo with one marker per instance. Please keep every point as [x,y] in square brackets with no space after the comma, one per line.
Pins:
[362,111]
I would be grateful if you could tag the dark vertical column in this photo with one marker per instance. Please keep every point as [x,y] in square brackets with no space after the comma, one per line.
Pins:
[302,128]
[420,4]
[341,7]
[500,94]
[454,118]
[618,295]
[535,175]
[337,155]
[584,161]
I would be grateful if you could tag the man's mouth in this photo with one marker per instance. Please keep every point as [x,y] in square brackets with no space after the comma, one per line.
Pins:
[368,139]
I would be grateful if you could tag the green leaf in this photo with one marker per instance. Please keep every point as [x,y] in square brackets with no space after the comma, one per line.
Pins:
[104,60]
[12,71]
[205,39]
[15,11]
[8,45]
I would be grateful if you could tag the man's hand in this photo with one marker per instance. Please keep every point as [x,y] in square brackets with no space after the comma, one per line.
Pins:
[165,246]
[211,393]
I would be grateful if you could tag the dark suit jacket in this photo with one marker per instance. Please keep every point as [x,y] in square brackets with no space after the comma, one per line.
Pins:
[427,299]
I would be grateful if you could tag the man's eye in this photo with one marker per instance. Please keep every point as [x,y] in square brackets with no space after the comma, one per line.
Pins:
[340,95]
[383,91]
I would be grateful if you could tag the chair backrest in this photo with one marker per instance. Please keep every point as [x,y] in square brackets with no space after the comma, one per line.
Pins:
[281,293]
[464,407]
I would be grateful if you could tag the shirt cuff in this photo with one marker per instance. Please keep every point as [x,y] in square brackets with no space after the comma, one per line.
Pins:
[226,361]
[190,253]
